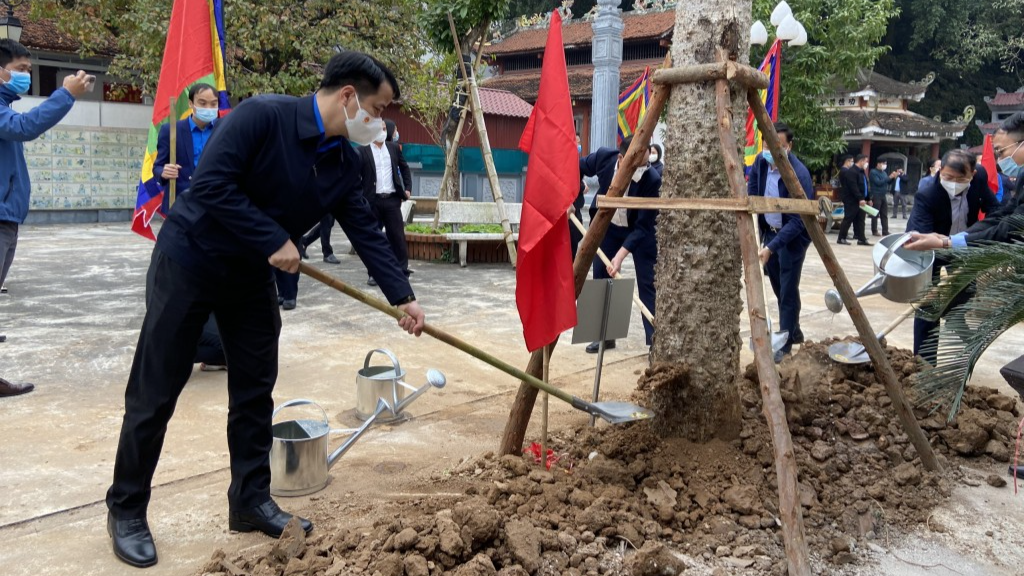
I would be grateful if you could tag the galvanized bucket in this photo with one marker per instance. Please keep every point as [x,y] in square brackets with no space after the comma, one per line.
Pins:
[375,383]
[298,453]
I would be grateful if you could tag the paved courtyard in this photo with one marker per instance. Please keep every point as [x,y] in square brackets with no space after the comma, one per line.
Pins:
[72,319]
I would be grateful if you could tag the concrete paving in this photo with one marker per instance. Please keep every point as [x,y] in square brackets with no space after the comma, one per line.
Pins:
[72,318]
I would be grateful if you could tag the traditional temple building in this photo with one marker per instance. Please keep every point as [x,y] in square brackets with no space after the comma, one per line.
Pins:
[878,121]
[1003,105]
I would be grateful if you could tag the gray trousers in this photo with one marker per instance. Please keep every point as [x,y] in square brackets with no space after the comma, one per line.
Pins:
[8,243]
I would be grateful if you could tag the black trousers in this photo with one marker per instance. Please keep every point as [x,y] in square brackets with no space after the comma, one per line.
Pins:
[323,230]
[287,285]
[852,215]
[575,236]
[643,260]
[881,203]
[899,205]
[178,305]
[784,269]
[211,349]
[389,214]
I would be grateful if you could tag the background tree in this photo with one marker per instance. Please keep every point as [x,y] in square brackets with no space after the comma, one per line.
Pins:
[843,36]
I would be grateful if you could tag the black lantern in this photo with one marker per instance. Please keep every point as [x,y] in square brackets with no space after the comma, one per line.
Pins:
[10,26]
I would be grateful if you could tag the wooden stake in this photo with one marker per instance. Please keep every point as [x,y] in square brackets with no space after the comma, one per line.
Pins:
[522,407]
[750,204]
[600,254]
[883,369]
[172,117]
[748,76]
[544,414]
[773,407]
[485,147]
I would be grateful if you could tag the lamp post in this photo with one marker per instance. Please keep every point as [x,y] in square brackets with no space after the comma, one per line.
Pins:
[10,25]
[787,27]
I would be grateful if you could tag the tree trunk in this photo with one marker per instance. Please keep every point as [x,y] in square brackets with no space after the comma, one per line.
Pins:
[698,251]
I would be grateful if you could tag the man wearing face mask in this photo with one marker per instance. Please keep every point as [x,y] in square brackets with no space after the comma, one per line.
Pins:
[631,231]
[949,207]
[879,185]
[387,181]
[853,187]
[272,169]
[783,236]
[15,130]
[193,134]
[655,158]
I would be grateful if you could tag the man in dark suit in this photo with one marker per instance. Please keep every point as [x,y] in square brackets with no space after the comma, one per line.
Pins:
[853,183]
[783,236]
[193,134]
[387,183]
[948,207]
[631,231]
[274,167]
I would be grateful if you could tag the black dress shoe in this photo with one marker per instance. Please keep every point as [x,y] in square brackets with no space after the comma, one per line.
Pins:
[8,388]
[332,259]
[267,518]
[3,338]
[843,241]
[132,540]
[595,346]
[409,272]
[1018,469]
[370,281]
[863,243]
[288,305]
[797,337]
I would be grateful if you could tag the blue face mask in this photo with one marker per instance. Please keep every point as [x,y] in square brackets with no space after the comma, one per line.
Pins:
[19,83]
[767,155]
[579,149]
[206,115]
[1009,166]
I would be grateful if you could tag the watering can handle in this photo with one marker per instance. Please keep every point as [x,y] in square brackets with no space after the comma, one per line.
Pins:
[300,402]
[394,360]
[892,250]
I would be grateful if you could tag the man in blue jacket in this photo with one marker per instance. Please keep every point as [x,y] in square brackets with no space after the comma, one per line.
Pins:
[15,130]
[193,134]
[783,236]
[631,231]
[272,169]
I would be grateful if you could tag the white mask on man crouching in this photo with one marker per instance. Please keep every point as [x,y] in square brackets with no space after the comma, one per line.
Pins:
[380,138]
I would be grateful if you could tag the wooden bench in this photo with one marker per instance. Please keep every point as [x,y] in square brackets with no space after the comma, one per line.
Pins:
[463,213]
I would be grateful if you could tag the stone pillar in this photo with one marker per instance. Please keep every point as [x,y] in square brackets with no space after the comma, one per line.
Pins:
[865,148]
[607,58]
[935,151]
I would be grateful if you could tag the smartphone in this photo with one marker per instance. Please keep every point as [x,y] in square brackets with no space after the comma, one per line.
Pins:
[90,83]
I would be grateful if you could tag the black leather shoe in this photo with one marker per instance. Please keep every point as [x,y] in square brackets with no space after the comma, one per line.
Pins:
[843,241]
[863,243]
[1018,469]
[332,259]
[8,388]
[288,305]
[595,346]
[132,540]
[267,518]
[797,337]
[371,282]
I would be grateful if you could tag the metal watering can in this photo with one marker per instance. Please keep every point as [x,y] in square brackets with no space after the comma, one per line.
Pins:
[385,382]
[901,275]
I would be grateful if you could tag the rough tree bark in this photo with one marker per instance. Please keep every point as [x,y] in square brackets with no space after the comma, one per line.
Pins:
[698,251]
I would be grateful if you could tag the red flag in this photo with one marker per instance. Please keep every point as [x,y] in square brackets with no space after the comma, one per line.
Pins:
[988,160]
[545,289]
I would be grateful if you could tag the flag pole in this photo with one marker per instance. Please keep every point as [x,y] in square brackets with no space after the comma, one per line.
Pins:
[173,132]
[544,414]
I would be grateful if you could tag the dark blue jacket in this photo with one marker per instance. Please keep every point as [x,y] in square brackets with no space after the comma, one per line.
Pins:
[641,222]
[793,233]
[15,130]
[184,157]
[932,211]
[261,181]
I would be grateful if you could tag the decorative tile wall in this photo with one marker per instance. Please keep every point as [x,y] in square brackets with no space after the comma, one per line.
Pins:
[75,168]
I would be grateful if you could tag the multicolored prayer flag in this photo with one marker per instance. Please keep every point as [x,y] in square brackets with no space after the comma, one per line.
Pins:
[194,53]
[772,66]
[633,104]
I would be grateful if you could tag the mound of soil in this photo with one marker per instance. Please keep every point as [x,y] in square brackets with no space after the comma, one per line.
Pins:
[623,500]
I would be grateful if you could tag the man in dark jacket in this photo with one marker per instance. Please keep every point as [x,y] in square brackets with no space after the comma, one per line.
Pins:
[387,182]
[16,129]
[274,167]
[879,181]
[783,236]
[949,206]
[853,184]
[631,231]
[192,135]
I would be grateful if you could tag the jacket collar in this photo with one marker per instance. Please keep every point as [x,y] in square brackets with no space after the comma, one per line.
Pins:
[8,97]
[305,119]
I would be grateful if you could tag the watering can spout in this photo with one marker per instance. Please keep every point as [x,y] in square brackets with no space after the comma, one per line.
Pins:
[382,405]
[435,379]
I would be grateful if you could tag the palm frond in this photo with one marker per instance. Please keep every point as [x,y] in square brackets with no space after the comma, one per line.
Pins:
[971,266]
[968,331]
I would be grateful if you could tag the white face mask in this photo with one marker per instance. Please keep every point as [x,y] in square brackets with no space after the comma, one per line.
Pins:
[363,128]
[639,173]
[954,189]
[381,137]
[653,158]
[395,137]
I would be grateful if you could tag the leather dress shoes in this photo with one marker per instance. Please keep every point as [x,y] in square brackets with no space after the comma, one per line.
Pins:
[863,243]
[843,241]
[332,259]
[132,540]
[594,347]
[371,282]
[267,518]
[8,388]
[288,304]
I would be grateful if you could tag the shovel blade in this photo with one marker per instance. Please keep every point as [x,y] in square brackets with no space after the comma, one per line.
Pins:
[614,412]
[848,353]
[779,340]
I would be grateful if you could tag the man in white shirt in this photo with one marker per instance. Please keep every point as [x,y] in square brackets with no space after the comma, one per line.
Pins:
[387,182]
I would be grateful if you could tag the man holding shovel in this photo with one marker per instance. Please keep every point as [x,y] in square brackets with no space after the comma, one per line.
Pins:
[274,167]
